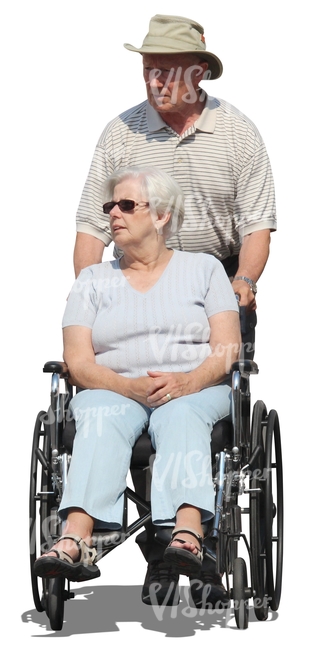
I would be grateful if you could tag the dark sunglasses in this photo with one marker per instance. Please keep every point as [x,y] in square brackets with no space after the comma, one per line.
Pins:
[125,205]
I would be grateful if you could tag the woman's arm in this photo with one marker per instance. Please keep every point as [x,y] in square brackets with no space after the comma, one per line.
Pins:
[80,358]
[225,342]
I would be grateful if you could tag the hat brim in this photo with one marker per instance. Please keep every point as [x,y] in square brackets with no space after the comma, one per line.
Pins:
[215,65]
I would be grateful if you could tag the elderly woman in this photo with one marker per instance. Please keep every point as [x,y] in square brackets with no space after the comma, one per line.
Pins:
[150,337]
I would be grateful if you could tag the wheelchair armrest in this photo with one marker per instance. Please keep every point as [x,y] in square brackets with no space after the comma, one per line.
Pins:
[245,366]
[60,367]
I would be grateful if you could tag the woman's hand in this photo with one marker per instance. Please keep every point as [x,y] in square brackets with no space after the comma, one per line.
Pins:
[140,388]
[166,386]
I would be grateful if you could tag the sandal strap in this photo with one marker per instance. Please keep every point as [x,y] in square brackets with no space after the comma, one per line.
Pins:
[62,555]
[199,551]
[191,531]
[87,553]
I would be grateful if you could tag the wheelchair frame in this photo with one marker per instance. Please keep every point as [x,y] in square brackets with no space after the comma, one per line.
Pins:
[251,465]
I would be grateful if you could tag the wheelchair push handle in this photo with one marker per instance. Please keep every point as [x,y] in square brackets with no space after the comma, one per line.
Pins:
[242,313]
[243,319]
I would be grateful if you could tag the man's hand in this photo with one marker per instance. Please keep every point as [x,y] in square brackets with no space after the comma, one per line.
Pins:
[246,296]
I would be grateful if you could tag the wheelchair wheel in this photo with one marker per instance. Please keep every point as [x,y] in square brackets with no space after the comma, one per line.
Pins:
[274,510]
[38,508]
[240,596]
[257,514]
[55,602]
[266,512]
[44,523]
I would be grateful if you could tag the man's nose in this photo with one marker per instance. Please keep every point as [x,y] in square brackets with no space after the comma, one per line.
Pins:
[155,82]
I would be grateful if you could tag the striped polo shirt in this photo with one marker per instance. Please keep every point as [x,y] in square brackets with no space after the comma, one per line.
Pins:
[220,162]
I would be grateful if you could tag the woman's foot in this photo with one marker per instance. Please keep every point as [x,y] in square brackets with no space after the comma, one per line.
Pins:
[65,546]
[188,542]
[71,558]
[185,551]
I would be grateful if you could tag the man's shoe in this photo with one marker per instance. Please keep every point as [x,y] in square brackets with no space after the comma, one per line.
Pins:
[208,592]
[160,585]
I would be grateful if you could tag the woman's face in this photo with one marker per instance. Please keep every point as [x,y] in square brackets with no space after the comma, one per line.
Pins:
[136,225]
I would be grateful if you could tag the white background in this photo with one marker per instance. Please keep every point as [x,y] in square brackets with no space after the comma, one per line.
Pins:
[65,74]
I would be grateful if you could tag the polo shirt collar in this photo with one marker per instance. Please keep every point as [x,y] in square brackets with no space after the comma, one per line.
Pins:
[205,122]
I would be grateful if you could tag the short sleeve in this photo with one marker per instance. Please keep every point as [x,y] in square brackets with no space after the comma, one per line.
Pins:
[220,295]
[81,303]
[255,204]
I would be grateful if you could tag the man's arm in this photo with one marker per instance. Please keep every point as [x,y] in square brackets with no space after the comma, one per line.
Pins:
[253,256]
[87,250]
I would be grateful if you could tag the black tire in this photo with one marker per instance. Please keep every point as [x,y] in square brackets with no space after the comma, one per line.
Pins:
[274,510]
[239,593]
[36,506]
[55,602]
[257,514]
[44,523]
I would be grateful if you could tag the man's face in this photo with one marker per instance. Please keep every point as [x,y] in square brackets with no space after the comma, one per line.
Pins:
[172,81]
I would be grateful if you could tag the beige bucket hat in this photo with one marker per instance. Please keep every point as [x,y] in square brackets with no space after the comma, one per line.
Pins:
[177,35]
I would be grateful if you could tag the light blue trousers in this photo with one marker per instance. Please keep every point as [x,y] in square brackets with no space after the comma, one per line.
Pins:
[107,427]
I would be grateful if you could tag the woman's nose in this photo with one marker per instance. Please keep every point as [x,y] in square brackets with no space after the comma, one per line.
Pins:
[115,212]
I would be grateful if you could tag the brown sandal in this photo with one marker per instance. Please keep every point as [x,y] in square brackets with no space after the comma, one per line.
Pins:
[63,565]
[186,562]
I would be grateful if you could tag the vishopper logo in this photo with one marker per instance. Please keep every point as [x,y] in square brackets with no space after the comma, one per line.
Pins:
[89,414]
[182,342]
[92,418]
[188,343]
[201,211]
[164,80]
[46,534]
[174,206]
[50,529]
[180,470]
[193,470]
[89,287]
[50,417]
[207,606]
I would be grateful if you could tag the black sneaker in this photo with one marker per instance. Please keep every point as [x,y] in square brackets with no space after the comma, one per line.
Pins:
[208,592]
[160,585]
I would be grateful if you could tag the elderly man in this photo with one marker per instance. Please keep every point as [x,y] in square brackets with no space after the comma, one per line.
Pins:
[218,157]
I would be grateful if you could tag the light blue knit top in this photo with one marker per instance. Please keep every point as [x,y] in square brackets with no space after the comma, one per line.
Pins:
[166,328]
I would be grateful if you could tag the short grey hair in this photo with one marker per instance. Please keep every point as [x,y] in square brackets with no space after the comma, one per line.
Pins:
[162,192]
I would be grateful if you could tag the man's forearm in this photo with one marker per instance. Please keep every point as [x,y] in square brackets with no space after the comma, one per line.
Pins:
[254,254]
[88,250]
[253,257]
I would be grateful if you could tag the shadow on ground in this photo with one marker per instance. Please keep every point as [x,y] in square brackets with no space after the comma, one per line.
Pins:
[100,609]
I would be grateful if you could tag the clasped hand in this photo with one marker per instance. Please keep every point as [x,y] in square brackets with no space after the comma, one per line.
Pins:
[154,389]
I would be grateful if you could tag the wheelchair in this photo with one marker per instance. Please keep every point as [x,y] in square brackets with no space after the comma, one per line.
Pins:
[247,462]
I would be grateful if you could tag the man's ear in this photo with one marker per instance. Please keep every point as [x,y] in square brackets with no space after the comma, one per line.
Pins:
[206,73]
